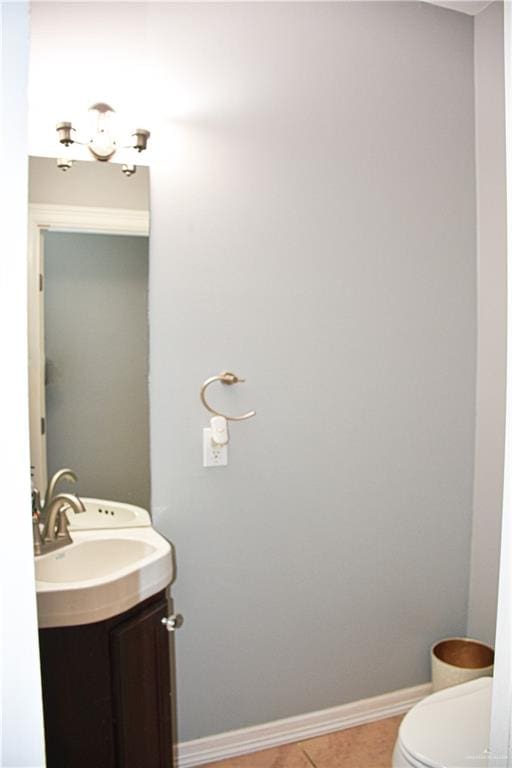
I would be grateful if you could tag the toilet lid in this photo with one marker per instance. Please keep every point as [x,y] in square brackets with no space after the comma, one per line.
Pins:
[449,728]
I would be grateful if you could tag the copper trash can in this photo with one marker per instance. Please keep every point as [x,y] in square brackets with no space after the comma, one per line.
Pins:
[456,660]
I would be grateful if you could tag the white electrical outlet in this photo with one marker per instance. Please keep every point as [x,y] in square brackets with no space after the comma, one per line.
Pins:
[213,455]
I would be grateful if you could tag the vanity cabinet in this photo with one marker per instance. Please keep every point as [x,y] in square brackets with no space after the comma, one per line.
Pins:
[107,691]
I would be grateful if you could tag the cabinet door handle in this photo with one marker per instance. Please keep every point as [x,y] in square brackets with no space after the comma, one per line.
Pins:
[172,622]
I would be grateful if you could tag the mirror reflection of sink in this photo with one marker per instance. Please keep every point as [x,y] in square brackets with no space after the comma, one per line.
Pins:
[102,513]
[108,569]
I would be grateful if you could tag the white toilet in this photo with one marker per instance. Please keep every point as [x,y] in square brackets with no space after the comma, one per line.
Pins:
[449,729]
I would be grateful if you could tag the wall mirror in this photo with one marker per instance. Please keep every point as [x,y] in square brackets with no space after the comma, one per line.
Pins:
[88,327]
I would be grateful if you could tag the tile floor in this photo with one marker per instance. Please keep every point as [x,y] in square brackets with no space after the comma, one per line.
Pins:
[366,746]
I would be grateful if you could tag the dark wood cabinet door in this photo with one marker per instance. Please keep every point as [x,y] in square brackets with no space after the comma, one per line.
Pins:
[77,692]
[139,649]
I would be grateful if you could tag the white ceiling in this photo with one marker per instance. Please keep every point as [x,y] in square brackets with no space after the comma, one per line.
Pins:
[464,6]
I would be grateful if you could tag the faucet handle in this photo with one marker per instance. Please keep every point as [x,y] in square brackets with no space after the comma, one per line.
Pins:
[62,518]
[62,524]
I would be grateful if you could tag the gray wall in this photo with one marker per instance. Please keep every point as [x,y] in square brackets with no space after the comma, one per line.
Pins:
[96,336]
[491,309]
[100,185]
[314,230]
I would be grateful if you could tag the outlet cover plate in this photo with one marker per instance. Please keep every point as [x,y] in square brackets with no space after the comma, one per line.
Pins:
[213,455]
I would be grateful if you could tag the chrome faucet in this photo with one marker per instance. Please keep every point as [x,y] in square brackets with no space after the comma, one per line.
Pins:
[61,474]
[55,532]
[52,511]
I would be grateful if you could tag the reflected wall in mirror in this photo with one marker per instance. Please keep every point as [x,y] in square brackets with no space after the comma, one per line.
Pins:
[88,328]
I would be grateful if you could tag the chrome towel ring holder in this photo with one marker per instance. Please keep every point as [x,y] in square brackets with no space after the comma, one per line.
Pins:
[225,378]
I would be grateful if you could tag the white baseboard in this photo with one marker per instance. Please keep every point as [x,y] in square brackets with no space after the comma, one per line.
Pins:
[299,728]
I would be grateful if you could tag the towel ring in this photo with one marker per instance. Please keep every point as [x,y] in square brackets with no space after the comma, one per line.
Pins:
[226,378]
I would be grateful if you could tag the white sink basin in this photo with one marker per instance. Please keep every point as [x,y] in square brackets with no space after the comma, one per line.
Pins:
[101,574]
[91,560]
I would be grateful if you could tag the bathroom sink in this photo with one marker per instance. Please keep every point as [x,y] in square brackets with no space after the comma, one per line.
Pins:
[101,574]
[91,560]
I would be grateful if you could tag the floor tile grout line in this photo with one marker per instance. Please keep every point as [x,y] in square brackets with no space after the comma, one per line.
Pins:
[308,758]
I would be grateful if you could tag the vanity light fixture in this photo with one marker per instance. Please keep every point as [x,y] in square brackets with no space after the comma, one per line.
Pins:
[101,138]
